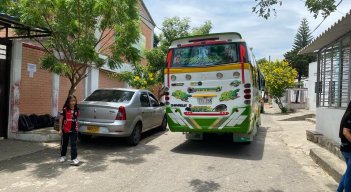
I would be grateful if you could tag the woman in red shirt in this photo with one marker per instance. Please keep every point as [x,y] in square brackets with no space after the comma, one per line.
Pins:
[68,128]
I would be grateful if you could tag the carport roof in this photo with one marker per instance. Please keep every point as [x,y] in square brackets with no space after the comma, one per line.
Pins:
[337,30]
[8,22]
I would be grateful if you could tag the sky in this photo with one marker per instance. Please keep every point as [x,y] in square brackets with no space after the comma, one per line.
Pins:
[269,38]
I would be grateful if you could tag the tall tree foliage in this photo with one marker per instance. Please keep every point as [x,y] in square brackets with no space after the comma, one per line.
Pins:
[279,76]
[172,28]
[300,62]
[265,8]
[74,48]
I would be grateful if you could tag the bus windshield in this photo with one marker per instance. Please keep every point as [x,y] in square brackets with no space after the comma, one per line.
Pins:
[206,55]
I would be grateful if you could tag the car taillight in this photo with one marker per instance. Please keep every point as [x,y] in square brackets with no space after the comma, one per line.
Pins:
[121,115]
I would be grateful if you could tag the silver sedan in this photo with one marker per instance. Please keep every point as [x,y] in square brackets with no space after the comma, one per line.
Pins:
[116,112]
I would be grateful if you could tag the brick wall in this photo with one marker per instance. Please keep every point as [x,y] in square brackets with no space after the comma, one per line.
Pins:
[35,93]
[106,82]
[147,32]
[64,89]
[107,42]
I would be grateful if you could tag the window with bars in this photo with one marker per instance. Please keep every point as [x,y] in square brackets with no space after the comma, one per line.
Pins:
[333,86]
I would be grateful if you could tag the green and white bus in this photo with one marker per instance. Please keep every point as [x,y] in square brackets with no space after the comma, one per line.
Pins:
[213,86]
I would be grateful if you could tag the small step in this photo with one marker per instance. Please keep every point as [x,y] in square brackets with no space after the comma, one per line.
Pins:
[328,162]
[312,120]
[38,135]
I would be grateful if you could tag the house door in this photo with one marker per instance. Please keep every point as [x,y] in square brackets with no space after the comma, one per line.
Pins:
[5,62]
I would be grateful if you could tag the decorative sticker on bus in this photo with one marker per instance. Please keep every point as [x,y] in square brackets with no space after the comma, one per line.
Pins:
[181,95]
[178,105]
[196,83]
[221,108]
[177,84]
[204,89]
[230,95]
[235,83]
[201,109]
[218,108]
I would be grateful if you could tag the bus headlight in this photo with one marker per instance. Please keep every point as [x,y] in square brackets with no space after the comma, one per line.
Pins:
[188,77]
[236,75]
[173,78]
[219,75]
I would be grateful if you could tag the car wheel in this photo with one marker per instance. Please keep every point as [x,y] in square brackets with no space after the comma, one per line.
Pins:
[84,138]
[163,126]
[135,137]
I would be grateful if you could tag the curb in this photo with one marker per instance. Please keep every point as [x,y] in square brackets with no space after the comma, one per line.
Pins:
[312,120]
[328,162]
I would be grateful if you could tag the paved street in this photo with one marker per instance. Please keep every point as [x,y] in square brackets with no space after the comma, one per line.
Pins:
[276,161]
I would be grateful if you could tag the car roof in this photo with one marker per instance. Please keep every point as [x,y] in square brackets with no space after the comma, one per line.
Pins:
[123,89]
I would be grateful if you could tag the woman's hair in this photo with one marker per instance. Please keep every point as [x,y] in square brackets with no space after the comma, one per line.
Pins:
[344,118]
[68,100]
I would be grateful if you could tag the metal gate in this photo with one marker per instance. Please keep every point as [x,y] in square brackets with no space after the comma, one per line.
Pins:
[5,62]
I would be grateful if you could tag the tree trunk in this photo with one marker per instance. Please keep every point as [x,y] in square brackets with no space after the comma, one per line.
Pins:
[74,84]
[72,90]
[280,104]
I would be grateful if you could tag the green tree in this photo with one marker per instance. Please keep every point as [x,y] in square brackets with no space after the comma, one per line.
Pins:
[264,8]
[204,29]
[141,77]
[279,76]
[172,28]
[300,62]
[73,49]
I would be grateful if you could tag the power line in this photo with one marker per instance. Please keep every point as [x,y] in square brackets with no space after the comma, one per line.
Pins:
[325,17]
[149,21]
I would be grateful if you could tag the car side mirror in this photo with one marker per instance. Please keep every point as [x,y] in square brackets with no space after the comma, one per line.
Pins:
[162,104]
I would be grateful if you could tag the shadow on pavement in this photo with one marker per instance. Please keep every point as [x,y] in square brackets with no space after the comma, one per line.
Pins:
[270,190]
[199,185]
[223,146]
[96,156]
[299,118]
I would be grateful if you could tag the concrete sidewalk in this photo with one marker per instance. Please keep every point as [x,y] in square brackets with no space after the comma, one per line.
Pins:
[297,127]
[10,148]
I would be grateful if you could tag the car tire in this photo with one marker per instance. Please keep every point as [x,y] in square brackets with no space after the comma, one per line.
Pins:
[84,138]
[163,126]
[135,137]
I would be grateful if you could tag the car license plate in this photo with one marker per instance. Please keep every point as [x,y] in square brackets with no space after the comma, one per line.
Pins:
[93,129]
[204,101]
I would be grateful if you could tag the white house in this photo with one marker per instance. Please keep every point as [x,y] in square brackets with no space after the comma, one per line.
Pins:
[333,87]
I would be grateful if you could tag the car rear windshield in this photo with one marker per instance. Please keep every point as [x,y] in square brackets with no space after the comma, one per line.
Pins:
[117,96]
